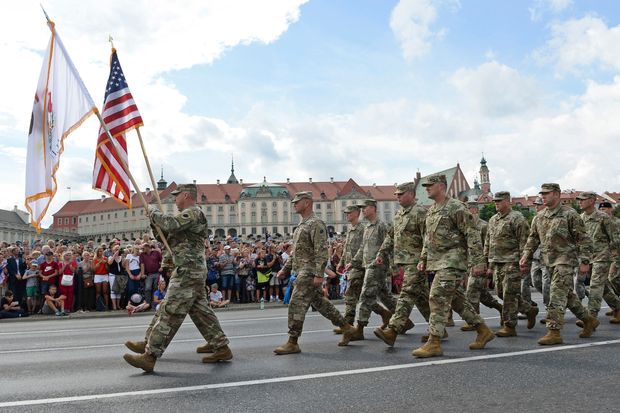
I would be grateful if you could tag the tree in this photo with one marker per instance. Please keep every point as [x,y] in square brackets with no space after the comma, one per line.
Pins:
[487,211]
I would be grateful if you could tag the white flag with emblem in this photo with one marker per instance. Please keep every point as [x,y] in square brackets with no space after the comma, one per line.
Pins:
[61,104]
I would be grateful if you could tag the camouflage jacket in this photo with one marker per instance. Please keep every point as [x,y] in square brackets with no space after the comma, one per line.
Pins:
[309,248]
[406,237]
[482,226]
[451,238]
[562,237]
[604,234]
[374,234]
[185,233]
[353,242]
[506,237]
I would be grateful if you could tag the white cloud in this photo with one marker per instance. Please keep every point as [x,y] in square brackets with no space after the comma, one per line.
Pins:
[582,43]
[411,22]
[541,7]
[495,89]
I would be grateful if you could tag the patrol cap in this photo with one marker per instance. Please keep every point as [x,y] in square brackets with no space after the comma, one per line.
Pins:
[539,201]
[501,195]
[405,187]
[351,208]
[472,204]
[435,179]
[191,188]
[302,195]
[604,204]
[368,202]
[544,188]
[586,195]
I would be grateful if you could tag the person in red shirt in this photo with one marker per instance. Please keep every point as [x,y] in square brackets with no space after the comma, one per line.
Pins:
[102,278]
[49,272]
[66,273]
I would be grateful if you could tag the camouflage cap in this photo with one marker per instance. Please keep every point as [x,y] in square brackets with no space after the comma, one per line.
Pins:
[368,202]
[501,195]
[544,188]
[302,195]
[472,204]
[191,188]
[351,208]
[405,187]
[539,201]
[604,204]
[435,179]
[586,195]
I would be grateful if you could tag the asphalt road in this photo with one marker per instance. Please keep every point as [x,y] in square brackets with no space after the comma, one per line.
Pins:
[76,365]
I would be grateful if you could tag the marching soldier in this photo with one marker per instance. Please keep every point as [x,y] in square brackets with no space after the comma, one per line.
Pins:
[450,241]
[186,233]
[564,243]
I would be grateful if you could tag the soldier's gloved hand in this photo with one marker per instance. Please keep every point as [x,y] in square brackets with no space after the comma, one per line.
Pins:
[523,265]
[151,209]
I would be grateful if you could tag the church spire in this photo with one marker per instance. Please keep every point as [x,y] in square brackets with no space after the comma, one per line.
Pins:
[232,179]
[162,184]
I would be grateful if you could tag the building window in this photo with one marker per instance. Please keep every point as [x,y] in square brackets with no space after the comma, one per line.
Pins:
[80,220]
[243,231]
[318,206]
[66,221]
[86,219]
[274,204]
[329,206]
[263,204]
[233,219]
[115,215]
[220,219]
[141,212]
[133,213]
[243,205]
[344,203]
[285,229]
[329,218]
[253,219]
[220,209]
[94,218]
[275,230]
[208,209]
[59,221]
[254,230]
[232,208]
[274,216]
[125,215]
[101,217]
[263,230]
[253,205]
[243,217]
[285,217]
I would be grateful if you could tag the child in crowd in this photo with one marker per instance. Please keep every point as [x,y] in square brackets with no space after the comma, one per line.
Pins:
[215,298]
[136,304]
[10,308]
[160,293]
[54,302]
[32,285]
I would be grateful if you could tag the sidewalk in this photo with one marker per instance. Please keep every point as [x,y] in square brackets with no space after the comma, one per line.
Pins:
[123,313]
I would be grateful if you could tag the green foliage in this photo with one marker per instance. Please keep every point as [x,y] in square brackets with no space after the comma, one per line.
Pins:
[575,206]
[527,213]
[617,211]
[487,211]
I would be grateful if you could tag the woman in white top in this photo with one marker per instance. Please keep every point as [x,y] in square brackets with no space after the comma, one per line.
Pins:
[133,265]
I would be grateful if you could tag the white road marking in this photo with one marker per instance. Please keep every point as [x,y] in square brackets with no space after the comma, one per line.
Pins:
[285,379]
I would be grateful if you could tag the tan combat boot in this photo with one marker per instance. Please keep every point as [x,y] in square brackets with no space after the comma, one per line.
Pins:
[136,346]
[506,331]
[408,326]
[144,361]
[221,354]
[290,347]
[206,348]
[616,317]
[432,348]
[350,333]
[589,326]
[531,317]
[337,330]
[385,316]
[425,337]
[388,335]
[551,338]
[610,313]
[450,322]
[468,327]
[484,336]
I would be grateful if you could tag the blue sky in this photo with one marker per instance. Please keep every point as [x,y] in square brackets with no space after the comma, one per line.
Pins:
[372,90]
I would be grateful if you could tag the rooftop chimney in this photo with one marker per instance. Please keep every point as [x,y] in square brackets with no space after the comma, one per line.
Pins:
[374,184]
[218,181]
[310,180]
[418,176]
[148,189]
[331,179]
[288,180]
[194,182]
[102,198]
[241,181]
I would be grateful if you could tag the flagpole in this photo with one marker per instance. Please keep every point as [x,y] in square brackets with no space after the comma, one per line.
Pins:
[148,167]
[133,181]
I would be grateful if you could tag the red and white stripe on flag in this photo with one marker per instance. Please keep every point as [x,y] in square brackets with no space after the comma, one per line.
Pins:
[120,114]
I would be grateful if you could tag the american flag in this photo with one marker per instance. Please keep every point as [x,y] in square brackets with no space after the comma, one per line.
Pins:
[120,114]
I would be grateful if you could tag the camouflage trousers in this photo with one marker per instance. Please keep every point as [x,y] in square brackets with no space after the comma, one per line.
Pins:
[614,277]
[601,288]
[580,284]
[445,290]
[185,295]
[374,287]
[414,291]
[352,295]
[508,276]
[562,296]
[541,279]
[304,295]
[478,292]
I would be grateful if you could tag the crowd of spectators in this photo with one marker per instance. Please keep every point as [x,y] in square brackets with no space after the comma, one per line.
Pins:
[60,277]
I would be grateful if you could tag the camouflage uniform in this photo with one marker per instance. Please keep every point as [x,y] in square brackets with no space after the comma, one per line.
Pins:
[374,286]
[405,240]
[506,239]
[602,231]
[308,260]
[356,274]
[450,242]
[564,244]
[477,286]
[614,270]
[186,292]
[540,277]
